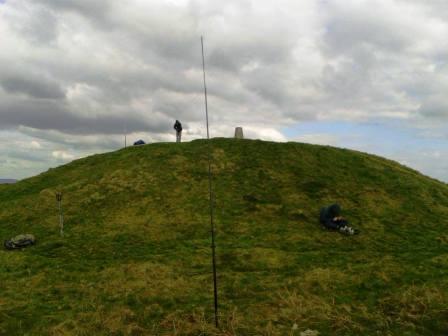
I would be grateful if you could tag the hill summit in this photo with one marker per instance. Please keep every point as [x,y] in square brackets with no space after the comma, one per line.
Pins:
[135,258]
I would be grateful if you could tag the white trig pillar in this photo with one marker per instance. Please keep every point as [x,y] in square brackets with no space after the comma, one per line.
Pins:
[239,133]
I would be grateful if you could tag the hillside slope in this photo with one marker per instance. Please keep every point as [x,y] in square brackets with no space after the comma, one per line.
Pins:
[135,259]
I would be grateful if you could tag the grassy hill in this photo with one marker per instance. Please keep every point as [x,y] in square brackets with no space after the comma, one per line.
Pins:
[135,259]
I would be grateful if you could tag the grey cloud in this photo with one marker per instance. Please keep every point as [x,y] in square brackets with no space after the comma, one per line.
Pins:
[48,115]
[158,50]
[261,49]
[348,31]
[41,28]
[435,107]
[169,50]
[75,141]
[385,26]
[32,87]
[27,156]
[178,105]
[34,113]
[95,10]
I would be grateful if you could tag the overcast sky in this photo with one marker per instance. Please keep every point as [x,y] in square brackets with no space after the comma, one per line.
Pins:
[368,75]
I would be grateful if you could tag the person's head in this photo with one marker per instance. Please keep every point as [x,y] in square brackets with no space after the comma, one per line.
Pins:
[334,210]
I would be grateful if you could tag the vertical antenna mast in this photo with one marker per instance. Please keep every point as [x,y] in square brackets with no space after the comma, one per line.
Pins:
[212,225]
[125,133]
[61,214]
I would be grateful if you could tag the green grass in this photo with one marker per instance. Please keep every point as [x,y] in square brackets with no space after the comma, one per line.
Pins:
[135,259]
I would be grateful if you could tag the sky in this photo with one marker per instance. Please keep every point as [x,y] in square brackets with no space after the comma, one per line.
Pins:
[75,75]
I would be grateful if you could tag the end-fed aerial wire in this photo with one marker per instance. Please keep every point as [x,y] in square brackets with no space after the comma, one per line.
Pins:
[212,224]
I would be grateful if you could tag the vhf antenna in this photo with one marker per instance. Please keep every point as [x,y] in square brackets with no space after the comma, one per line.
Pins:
[212,224]
[125,133]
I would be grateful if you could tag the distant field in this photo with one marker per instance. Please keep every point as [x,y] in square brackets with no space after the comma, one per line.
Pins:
[135,259]
[7,181]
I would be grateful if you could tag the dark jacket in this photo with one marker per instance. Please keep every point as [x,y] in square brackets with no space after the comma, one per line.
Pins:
[178,126]
[328,213]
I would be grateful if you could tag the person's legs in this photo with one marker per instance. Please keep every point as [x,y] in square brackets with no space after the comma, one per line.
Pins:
[341,226]
[342,223]
[332,225]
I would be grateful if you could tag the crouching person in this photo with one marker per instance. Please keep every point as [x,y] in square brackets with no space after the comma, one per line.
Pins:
[331,219]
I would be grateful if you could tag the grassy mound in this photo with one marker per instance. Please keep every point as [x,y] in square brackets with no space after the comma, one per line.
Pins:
[135,259]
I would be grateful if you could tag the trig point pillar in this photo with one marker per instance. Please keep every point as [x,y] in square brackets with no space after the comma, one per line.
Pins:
[239,133]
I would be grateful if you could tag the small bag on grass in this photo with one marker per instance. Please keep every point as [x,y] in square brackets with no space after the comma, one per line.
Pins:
[20,241]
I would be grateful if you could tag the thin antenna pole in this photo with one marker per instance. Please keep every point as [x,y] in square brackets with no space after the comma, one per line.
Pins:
[125,133]
[61,214]
[212,225]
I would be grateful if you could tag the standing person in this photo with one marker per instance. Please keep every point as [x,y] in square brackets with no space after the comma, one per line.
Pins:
[178,128]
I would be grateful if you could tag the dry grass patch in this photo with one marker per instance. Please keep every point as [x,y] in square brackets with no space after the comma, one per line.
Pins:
[309,311]
[415,304]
